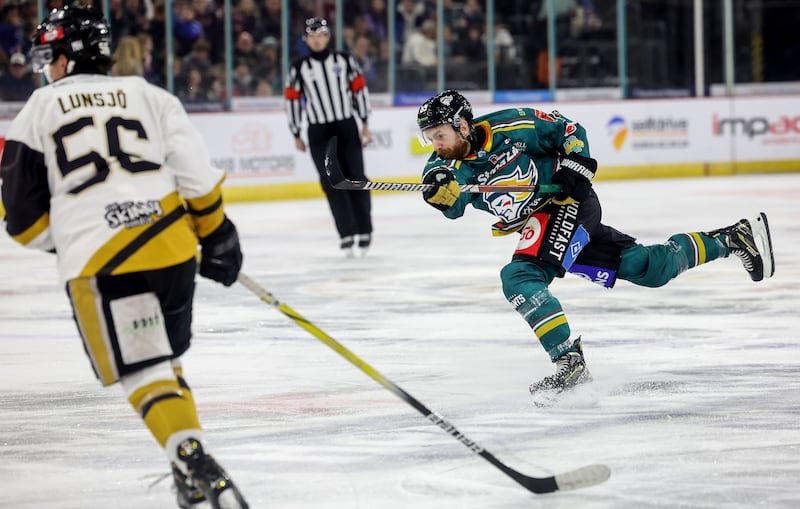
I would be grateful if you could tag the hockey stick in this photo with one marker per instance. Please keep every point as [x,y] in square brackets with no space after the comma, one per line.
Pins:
[574,479]
[339,181]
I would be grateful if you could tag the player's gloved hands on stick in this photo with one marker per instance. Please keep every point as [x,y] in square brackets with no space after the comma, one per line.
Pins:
[574,175]
[221,255]
[445,191]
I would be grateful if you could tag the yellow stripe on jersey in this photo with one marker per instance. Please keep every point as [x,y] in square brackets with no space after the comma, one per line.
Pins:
[167,242]
[513,126]
[702,255]
[206,212]
[91,321]
[34,230]
[164,409]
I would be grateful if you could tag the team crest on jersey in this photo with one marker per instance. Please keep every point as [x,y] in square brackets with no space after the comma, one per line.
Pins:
[511,206]
[133,213]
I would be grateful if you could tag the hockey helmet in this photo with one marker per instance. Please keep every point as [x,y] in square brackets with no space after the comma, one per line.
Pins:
[79,32]
[318,25]
[449,107]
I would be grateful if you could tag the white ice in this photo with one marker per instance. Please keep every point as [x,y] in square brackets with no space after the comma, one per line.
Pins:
[696,402]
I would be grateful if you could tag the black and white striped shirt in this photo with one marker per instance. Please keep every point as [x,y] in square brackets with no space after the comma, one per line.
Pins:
[332,87]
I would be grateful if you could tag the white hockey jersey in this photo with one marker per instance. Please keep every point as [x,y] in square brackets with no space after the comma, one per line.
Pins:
[110,173]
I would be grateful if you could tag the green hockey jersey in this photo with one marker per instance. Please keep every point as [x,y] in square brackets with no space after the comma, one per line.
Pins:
[517,146]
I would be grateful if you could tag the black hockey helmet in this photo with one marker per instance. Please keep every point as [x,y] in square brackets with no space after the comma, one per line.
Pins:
[319,25]
[79,32]
[449,107]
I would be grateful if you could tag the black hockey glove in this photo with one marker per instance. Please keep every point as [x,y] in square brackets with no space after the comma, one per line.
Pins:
[220,254]
[574,175]
[445,191]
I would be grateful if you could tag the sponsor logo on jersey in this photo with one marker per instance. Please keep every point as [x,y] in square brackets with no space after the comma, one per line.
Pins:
[499,162]
[563,229]
[133,213]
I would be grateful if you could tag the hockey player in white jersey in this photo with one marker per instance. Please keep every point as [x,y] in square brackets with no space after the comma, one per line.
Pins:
[109,174]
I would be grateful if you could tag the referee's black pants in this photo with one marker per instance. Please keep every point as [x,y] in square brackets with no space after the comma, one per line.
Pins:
[351,209]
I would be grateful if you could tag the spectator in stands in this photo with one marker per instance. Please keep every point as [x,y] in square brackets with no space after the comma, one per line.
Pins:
[420,47]
[245,50]
[264,89]
[361,28]
[376,19]
[506,51]
[128,59]
[199,58]
[472,15]
[211,16]
[364,54]
[410,14]
[186,28]
[268,65]
[193,88]
[472,48]
[16,84]
[150,73]
[11,30]
[246,17]
[243,82]
[271,17]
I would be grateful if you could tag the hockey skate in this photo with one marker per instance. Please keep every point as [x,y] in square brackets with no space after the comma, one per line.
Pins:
[347,246]
[364,240]
[752,243]
[571,370]
[207,484]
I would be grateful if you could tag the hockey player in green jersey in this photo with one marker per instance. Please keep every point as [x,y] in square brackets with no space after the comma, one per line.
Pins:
[558,233]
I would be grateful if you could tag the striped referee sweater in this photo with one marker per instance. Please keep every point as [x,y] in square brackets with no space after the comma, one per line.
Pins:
[331,85]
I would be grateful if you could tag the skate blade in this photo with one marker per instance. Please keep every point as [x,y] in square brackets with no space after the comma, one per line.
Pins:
[763,239]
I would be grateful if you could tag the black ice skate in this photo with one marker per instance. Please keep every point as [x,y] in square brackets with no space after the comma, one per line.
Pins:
[752,243]
[570,371]
[207,484]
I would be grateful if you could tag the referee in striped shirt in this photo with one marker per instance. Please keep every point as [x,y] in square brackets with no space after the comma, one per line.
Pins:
[330,87]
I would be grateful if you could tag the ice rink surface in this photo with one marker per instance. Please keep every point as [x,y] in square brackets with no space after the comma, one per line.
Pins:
[696,400]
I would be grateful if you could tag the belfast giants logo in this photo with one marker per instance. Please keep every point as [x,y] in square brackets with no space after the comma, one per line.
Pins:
[510,206]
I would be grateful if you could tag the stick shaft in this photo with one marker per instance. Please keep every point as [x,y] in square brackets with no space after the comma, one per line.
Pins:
[587,476]
[339,181]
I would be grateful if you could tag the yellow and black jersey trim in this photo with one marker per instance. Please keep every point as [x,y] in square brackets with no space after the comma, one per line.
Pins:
[206,212]
[26,193]
[166,242]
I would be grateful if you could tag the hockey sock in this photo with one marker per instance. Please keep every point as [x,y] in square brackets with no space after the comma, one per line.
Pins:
[657,265]
[166,408]
[543,313]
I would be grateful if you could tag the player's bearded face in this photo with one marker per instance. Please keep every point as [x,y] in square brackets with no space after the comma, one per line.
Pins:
[447,142]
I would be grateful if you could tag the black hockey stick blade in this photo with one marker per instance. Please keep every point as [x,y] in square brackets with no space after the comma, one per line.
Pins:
[339,181]
[583,477]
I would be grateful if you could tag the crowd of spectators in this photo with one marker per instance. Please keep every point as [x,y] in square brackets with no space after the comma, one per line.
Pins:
[199,47]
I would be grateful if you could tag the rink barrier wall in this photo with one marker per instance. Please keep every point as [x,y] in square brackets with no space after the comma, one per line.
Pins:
[629,138]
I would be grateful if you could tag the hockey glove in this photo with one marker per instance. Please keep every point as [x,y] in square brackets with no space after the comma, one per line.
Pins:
[220,254]
[574,175]
[445,191]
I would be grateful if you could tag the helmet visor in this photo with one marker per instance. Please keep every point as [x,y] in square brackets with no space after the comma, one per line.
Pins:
[40,57]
